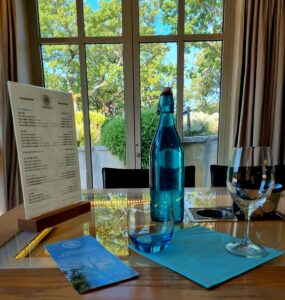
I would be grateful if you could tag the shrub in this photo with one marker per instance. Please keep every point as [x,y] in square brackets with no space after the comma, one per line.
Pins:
[149,125]
[113,132]
[113,135]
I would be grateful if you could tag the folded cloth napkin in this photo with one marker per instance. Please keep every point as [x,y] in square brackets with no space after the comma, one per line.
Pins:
[199,254]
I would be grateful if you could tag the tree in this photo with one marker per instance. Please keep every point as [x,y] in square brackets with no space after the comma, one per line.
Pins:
[157,60]
[61,62]
[202,59]
[154,73]
[202,76]
[104,61]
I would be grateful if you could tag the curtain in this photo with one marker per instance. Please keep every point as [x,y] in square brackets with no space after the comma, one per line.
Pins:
[261,103]
[10,187]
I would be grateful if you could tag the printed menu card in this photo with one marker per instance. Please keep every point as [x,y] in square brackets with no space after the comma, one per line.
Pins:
[87,264]
[47,148]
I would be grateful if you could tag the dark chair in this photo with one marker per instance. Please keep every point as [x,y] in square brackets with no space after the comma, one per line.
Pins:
[280,175]
[137,178]
[189,179]
[218,175]
[125,178]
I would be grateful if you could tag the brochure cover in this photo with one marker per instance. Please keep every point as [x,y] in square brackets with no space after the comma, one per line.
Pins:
[87,264]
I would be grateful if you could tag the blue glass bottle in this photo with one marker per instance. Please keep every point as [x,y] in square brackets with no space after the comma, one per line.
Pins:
[167,163]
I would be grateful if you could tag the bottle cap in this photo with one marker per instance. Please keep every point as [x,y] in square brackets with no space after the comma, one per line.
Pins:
[166,90]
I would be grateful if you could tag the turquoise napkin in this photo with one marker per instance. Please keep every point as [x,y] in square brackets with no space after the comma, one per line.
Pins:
[199,254]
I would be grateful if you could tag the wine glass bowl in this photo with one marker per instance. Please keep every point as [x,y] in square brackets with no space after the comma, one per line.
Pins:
[250,180]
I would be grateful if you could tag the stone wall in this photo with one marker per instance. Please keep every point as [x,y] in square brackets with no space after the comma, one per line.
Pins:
[201,151]
[101,157]
[198,151]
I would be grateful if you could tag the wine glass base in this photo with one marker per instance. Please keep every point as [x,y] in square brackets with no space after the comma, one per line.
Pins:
[248,250]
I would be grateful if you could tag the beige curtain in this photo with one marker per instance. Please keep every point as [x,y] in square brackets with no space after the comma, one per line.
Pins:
[261,102]
[10,188]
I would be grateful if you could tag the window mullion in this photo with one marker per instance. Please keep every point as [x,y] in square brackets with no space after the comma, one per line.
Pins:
[136,76]
[84,95]
[179,36]
[225,102]
[128,83]
[180,69]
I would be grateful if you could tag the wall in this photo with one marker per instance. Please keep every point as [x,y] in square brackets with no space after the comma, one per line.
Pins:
[199,151]
[101,157]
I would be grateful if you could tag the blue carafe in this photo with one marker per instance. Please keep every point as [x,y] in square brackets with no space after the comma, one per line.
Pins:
[167,163]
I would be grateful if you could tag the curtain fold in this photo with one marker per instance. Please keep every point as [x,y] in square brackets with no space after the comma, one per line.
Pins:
[10,186]
[261,106]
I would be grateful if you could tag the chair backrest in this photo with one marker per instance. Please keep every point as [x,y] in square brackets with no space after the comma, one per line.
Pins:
[189,179]
[218,175]
[137,178]
[280,175]
[125,178]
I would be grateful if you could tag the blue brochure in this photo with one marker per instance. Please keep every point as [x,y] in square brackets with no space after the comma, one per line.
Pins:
[87,264]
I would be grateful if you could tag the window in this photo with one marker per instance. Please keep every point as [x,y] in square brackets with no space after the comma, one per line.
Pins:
[115,56]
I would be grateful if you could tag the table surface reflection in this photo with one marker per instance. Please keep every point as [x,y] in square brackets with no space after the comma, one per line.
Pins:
[107,221]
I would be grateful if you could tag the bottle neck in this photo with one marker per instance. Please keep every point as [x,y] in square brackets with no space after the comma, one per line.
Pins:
[165,109]
[166,119]
[166,103]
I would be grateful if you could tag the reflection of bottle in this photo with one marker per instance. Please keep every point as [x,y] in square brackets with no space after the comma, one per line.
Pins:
[167,163]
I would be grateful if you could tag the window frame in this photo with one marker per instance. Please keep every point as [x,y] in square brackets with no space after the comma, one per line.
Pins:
[131,43]
[180,39]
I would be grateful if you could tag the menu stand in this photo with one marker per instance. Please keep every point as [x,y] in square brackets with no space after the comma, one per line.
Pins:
[54,217]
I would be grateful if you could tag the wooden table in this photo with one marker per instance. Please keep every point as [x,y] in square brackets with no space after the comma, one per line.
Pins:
[37,277]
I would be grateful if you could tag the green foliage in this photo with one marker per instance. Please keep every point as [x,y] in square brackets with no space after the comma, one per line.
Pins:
[203,74]
[105,78]
[104,61]
[162,12]
[157,61]
[57,18]
[96,121]
[149,123]
[203,16]
[113,135]
[106,21]
[155,73]
[61,68]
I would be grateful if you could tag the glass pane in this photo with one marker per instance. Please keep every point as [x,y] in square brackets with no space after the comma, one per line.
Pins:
[61,72]
[202,77]
[158,68]
[57,18]
[103,17]
[106,106]
[203,16]
[158,17]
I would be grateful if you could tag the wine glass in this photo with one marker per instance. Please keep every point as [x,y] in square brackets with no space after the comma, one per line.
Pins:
[250,180]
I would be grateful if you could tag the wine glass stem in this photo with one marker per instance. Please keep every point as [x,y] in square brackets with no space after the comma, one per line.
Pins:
[246,239]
